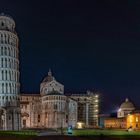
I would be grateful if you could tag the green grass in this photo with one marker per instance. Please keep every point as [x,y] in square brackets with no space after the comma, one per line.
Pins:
[76,132]
[105,132]
[22,132]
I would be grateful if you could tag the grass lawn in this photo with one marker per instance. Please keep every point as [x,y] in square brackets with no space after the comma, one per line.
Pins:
[22,133]
[104,132]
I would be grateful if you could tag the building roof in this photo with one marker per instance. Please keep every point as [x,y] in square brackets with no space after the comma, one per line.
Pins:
[127,105]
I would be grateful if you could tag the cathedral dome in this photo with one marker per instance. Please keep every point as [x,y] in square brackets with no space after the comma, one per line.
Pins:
[127,105]
[49,77]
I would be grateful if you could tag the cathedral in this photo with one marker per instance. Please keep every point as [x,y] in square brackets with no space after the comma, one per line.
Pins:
[51,108]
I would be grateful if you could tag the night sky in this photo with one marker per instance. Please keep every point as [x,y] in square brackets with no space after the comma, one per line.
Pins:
[88,45]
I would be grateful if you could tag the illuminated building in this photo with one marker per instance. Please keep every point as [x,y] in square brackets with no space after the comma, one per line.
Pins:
[133,120]
[9,75]
[88,108]
[125,108]
[53,109]
[115,123]
[49,109]
[127,117]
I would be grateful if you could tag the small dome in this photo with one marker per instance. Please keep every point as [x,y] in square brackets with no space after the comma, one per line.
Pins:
[127,105]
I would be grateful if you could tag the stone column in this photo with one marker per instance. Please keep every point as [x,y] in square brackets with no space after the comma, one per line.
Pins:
[19,122]
[87,111]
[48,120]
[5,121]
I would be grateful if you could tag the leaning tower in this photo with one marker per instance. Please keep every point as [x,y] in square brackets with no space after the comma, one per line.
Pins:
[9,75]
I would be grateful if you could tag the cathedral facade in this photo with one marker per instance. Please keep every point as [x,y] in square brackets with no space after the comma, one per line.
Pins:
[49,109]
[53,109]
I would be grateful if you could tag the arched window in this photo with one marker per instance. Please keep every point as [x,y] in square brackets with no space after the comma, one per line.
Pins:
[6,75]
[1,62]
[5,39]
[10,87]
[2,87]
[2,23]
[9,75]
[2,74]
[8,51]
[1,38]
[13,52]
[1,50]
[15,76]
[55,106]
[9,63]
[8,39]
[6,62]
[38,118]
[6,87]
[12,76]
[12,63]
[13,88]
[5,49]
